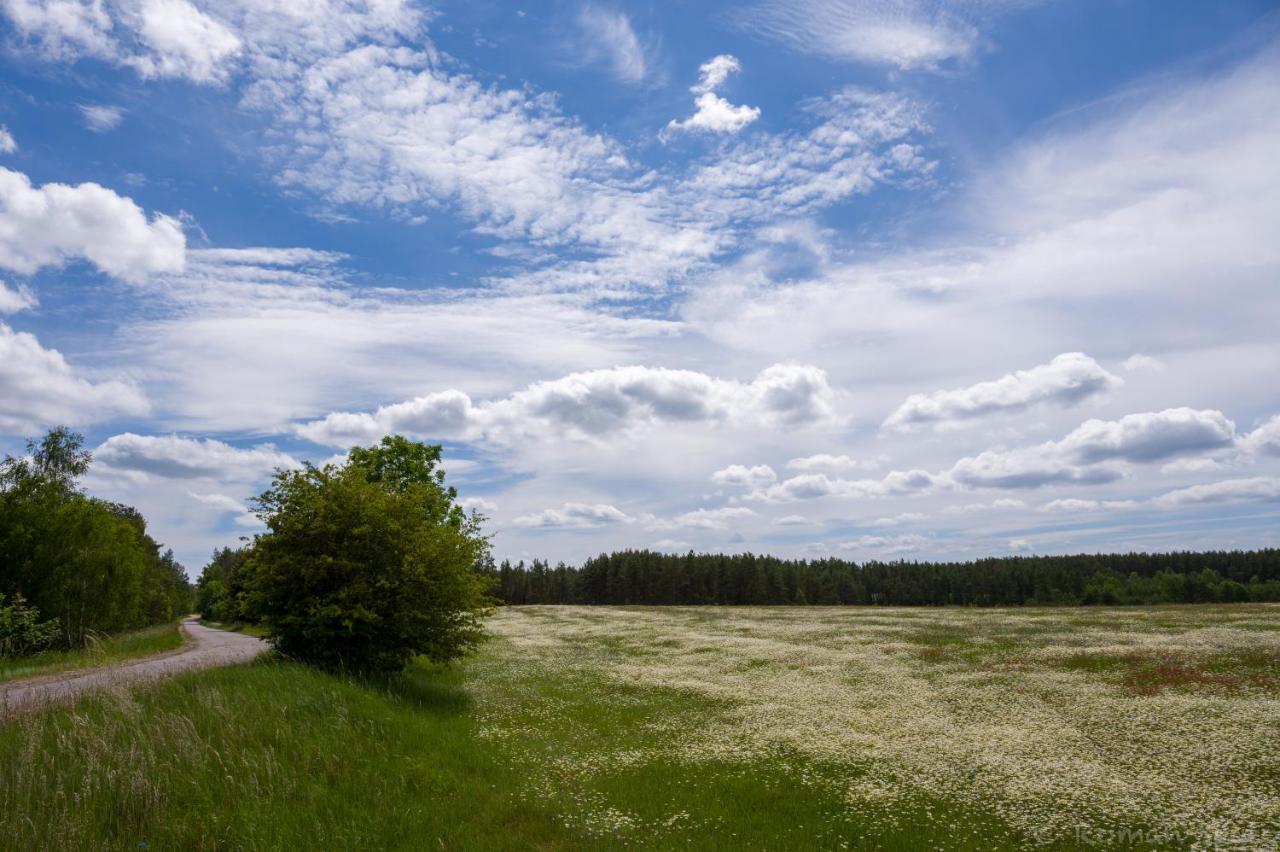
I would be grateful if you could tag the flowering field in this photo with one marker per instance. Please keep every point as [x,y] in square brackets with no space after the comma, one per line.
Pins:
[982,728]
[695,728]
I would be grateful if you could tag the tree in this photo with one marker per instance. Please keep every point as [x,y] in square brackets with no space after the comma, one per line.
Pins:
[369,563]
[86,562]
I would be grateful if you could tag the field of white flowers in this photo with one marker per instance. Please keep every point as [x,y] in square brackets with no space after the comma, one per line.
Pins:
[1155,727]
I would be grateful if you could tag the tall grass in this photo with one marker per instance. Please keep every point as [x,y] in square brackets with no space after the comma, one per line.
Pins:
[279,756]
[101,650]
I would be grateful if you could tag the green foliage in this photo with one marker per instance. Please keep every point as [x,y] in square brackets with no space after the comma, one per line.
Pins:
[646,577]
[369,563]
[220,592]
[98,651]
[87,562]
[22,632]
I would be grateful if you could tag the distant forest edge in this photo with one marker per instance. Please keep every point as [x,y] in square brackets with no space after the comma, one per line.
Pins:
[652,578]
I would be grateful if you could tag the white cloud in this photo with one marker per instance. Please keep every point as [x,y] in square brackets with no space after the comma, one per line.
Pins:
[898,519]
[184,42]
[1068,379]
[20,299]
[1265,439]
[904,34]
[609,37]
[836,464]
[8,144]
[478,504]
[174,457]
[713,519]
[811,486]
[1251,489]
[51,224]
[1003,504]
[1139,363]
[714,113]
[575,516]
[101,118]
[1075,504]
[792,521]
[594,404]
[223,503]
[885,544]
[38,388]
[746,477]
[1080,457]
[63,29]
[1150,436]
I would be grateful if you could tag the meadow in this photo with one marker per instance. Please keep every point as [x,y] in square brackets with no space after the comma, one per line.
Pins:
[701,728]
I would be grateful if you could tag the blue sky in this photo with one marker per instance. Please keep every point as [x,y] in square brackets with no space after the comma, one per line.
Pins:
[869,278]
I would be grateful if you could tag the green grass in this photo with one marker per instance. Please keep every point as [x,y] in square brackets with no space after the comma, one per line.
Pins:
[99,651]
[279,756]
[602,729]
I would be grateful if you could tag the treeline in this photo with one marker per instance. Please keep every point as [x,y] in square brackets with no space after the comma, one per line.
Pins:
[651,578]
[85,563]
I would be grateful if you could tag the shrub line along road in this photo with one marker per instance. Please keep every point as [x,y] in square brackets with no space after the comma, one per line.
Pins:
[205,648]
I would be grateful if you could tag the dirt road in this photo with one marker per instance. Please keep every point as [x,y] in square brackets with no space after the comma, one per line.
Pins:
[205,648]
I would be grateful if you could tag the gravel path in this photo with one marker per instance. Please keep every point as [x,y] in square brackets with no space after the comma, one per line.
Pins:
[205,648]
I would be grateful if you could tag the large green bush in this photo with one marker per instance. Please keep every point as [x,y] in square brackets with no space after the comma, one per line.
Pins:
[369,563]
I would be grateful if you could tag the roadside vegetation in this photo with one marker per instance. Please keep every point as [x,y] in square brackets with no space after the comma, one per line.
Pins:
[95,652]
[78,576]
[777,728]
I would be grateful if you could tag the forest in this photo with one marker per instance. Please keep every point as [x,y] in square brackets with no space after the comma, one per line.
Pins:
[653,578]
[72,566]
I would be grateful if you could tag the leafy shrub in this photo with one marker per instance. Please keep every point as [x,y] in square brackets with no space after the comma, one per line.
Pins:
[22,633]
[369,563]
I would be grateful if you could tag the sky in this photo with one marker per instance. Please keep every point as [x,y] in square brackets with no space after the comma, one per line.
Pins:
[874,279]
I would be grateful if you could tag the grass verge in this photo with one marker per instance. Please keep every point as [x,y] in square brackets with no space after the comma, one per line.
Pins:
[99,651]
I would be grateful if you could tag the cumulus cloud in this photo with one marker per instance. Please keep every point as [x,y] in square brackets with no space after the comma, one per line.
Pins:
[792,521]
[8,144]
[836,463]
[478,504]
[157,38]
[54,223]
[174,457]
[885,544]
[1265,440]
[223,503]
[594,404]
[811,486]
[38,388]
[1002,504]
[1027,468]
[101,118]
[714,113]
[743,476]
[1251,489]
[1066,380]
[184,42]
[607,36]
[1081,457]
[63,29]
[712,519]
[1150,436]
[905,34]
[575,516]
